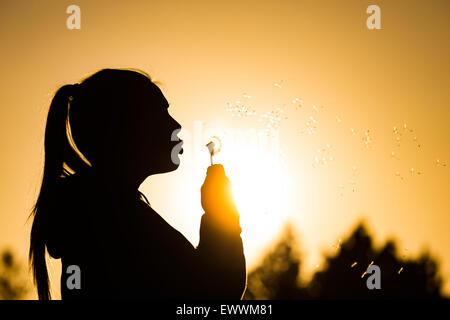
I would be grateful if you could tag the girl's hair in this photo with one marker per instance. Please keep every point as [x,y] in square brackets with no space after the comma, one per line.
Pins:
[63,157]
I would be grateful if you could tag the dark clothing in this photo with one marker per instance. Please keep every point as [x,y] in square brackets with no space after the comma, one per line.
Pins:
[126,250]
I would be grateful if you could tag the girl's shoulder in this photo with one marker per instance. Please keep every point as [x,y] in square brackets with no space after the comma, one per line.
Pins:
[161,229]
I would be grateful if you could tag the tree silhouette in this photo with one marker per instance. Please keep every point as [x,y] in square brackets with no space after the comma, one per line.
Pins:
[13,285]
[277,276]
[344,275]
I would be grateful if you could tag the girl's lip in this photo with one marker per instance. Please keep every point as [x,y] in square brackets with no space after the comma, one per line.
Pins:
[182,142]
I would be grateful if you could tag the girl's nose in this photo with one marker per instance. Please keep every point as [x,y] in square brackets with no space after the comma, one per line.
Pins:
[176,125]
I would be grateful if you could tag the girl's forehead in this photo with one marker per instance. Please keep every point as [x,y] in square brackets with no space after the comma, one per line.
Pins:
[156,96]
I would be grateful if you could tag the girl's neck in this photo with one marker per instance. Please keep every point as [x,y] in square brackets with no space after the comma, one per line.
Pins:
[116,184]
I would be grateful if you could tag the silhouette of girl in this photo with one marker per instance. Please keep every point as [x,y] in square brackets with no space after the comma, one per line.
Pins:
[103,138]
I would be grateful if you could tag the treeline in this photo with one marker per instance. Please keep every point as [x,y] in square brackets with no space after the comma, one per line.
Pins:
[343,275]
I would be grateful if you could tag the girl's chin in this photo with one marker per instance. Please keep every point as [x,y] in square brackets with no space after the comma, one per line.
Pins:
[169,167]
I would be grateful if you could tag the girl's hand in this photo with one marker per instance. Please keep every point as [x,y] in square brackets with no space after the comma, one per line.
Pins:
[217,197]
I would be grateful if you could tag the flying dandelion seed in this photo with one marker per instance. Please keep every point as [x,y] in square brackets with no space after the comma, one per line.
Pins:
[440,163]
[311,125]
[397,135]
[396,132]
[339,120]
[367,138]
[272,120]
[354,264]
[338,244]
[406,130]
[370,264]
[362,276]
[240,110]
[399,271]
[352,184]
[323,155]
[352,130]
[277,84]
[298,103]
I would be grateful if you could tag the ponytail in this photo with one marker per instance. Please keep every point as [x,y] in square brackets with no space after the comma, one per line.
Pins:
[59,152]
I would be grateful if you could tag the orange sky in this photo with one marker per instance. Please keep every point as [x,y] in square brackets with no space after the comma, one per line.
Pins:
[209,53]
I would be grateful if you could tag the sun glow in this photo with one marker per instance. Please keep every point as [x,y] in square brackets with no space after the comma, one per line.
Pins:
[261,190]
[261,184]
